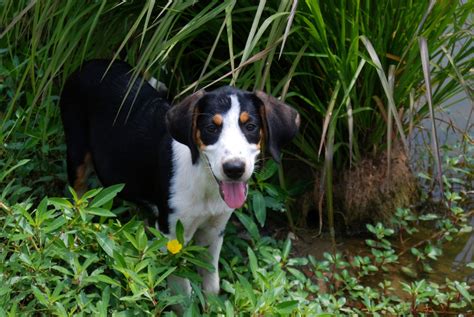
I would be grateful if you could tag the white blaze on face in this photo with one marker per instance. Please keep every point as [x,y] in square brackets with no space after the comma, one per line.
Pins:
[232,145]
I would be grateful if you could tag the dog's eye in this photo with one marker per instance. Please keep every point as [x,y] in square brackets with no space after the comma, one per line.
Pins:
[251,127]
[212,128]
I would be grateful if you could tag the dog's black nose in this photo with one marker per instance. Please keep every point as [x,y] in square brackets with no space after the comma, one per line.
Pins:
[234,168]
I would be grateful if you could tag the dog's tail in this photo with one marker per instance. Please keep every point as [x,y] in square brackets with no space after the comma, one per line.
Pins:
[76,128]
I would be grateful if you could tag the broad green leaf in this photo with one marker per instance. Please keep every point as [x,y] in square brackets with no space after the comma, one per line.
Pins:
[42,298]
[259,208]
[286,249]
[55,225]
[103,305]
[464,291]
[96,211]
[141,238]
[252,262]
[164,276]
[106,195]
[249,224]
[268,170]
[247,289]
[106,243]
[60,203]
[91,193]
[297,273]
[180,232]
[287,307]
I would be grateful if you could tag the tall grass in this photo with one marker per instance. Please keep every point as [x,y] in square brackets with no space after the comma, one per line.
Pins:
[343,86]
[182,43]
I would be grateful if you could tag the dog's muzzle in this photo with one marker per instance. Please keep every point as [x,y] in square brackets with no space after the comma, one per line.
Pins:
[233,192]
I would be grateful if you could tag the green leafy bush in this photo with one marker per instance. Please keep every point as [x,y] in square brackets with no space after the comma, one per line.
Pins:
[74,257]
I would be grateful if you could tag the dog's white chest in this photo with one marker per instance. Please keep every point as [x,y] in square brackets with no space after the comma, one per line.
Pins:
[194,193]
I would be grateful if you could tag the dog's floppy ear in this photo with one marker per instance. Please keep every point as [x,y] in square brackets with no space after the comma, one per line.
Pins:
[280,123]
[181,122]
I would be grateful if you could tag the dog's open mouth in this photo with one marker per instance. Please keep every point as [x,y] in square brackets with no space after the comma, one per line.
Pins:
[233,193]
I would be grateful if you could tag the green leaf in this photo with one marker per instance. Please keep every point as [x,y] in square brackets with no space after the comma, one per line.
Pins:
[463,290]
[4,172]
[252,262]
[131,239]
[428,217]
[73,193]
[106,195]
[247,289]
[55,225]
[259,208]
[164,275]
[60,203]
[297,273]
[119,260]
[134,276]
[268,171]
[180,232]
[408,271]
[141,238]
[202,264]
[249,224]
[104,303]
[100,212]
[60,310]
[42,298]
[106,243]
[287,307]
[91,193]
[286,249]
[229,309]
[41,212]
[228,287]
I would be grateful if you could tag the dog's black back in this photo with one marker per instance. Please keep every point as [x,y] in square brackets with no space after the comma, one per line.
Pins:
[129,134]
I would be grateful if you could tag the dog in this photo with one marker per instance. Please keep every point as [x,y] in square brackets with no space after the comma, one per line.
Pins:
[189,162]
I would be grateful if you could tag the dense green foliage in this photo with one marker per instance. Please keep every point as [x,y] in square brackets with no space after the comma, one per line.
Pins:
[353,69]
[66,257]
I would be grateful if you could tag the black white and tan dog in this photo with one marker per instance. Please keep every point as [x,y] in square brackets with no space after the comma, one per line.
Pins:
[188,162]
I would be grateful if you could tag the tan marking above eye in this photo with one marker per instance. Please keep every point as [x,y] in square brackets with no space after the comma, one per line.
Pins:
[244,117]
[217,119]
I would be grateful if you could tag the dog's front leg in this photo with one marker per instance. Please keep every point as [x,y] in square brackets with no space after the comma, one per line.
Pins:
[211,234]
[190,225]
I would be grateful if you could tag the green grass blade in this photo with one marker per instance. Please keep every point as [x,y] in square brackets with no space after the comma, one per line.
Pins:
[328,116]
[288,25]
[386,88]
[391,84]
[230,39]
[434,135]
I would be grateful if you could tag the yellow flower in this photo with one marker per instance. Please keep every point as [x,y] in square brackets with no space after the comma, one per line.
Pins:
[174,246]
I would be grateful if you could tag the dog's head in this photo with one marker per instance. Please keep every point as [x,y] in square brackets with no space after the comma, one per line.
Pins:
[228,127]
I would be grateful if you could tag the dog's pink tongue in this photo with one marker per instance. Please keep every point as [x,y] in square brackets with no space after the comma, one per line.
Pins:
[234,193]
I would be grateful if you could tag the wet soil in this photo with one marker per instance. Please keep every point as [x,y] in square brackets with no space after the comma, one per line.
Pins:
[450,265]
